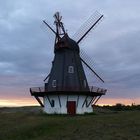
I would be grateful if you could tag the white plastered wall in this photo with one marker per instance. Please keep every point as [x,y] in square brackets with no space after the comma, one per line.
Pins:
[61,107]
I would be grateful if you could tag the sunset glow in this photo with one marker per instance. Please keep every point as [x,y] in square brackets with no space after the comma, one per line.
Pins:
[112,101]
[18,102]
[33,102]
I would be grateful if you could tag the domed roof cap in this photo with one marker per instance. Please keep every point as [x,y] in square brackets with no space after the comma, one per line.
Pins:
[70,43]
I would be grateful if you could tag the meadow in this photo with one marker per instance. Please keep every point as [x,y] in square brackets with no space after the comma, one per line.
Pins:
[30,123]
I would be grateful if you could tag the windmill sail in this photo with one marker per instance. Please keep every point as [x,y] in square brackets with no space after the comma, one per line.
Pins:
[87,26]
[92,70]
[89,63]
[49,27]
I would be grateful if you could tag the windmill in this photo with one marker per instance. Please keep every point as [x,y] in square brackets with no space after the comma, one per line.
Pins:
[66,89]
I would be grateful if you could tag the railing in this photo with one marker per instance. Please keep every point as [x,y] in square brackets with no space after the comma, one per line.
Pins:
[37,89]
[91,89]
[97,89]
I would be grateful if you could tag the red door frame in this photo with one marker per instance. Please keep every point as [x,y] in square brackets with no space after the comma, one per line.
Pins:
[71,107]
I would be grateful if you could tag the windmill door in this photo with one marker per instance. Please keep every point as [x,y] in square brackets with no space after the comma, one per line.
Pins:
[71,107]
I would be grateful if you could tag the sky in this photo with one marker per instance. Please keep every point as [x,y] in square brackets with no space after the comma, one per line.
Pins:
[26,46]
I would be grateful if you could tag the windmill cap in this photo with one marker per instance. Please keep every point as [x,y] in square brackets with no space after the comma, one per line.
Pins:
[67,42]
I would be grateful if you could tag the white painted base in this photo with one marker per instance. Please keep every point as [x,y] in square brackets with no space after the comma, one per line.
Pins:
[60,106]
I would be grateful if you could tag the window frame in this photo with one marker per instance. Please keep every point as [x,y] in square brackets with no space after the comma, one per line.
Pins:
[70,69]
[54,83]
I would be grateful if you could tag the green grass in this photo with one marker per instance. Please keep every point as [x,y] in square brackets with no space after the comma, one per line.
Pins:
[29,124]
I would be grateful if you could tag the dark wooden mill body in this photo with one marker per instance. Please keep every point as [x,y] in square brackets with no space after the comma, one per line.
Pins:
[67,78]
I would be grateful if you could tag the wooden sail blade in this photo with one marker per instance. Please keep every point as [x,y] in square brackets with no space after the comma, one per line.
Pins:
[47,77]
[49,27]
[92,70]
[90,24]
[89,29]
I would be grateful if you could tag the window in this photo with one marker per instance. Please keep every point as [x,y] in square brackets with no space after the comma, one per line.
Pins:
[52,103]
[70,69]
[54,83]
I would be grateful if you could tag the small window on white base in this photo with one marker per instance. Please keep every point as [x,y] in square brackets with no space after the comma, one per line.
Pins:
[70,69]
[54,83]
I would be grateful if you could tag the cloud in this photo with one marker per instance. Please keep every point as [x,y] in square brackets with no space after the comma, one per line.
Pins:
[26,45]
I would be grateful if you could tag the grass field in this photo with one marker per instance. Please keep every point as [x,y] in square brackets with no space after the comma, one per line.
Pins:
[29,123]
